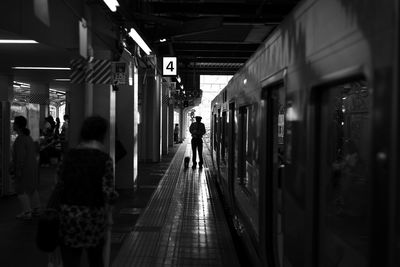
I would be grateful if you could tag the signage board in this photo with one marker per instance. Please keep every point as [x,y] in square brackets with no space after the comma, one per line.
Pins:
[169,66]
[119,72]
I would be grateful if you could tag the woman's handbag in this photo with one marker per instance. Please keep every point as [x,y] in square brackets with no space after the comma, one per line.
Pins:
[47,235]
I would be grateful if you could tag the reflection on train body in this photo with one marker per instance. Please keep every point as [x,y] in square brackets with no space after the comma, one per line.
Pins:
[303,137]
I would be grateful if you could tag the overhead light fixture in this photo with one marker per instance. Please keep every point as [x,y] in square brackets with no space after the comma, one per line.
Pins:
[136,37]
[21,84]
[163,40]
[178,79]
[112,4]
[9,41]
[40,68]
[62,80]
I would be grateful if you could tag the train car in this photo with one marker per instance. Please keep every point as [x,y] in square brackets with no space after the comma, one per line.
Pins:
[305,138]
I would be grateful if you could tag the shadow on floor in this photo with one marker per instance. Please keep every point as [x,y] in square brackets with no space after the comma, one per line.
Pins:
[17,244]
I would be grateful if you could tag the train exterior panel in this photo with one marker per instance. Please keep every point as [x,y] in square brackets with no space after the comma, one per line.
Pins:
[305,138]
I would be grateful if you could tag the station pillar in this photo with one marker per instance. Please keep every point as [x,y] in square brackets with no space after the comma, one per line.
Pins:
[150,137]
[85,100]
[40,95]
[164,120]
[75,109]
[171,124]
[182,125]
[126,168]
[6,96]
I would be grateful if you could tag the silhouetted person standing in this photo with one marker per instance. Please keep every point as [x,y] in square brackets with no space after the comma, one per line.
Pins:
[64,135]
[176,133]
[25,168]
[197,129]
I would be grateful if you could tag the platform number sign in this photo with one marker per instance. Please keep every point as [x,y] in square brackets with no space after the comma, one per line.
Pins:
[169,66]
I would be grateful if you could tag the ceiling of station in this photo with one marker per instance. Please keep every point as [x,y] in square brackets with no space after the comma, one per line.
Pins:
[206,36]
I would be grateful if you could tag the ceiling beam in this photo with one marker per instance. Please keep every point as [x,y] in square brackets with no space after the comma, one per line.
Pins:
[210,71]
[273,10]
[188,60]
[206,56]
[165,20]
[212,54]
[215,46]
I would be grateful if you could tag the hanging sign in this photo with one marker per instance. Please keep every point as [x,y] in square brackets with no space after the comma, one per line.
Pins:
[119,72]
[169,66]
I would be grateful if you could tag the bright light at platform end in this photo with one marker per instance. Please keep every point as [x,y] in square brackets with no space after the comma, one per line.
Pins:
[211,86]
[112,4]
[9,41]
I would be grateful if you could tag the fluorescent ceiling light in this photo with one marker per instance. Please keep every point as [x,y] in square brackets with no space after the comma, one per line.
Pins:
[21,84]
[9,41]
[112,4]
[163,40]
[136,37]
[56,91]
[62,80]
[40,68]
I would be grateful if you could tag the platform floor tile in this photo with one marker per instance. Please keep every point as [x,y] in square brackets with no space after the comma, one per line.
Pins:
[183,224]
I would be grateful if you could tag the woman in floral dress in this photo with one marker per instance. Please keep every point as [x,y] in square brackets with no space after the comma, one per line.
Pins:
[87,193]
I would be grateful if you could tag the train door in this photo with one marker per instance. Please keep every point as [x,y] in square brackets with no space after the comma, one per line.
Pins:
[275,164]
[343,172]
[224,151]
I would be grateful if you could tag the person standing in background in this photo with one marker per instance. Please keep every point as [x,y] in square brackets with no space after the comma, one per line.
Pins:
[64,135]
[197,129]
[176,133]
[57,127]
[47,146]
[25,168]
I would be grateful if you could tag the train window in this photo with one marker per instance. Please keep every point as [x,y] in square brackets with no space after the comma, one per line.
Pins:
[224,139]
[247,151]
[232,141]
[344,195]
[215,136]
[250,135]
[242,146]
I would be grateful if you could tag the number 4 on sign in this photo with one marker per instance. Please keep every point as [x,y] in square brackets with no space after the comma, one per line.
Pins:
[169,66]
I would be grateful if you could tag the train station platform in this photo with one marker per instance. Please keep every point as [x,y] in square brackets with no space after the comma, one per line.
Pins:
[174,218]
[183,224]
